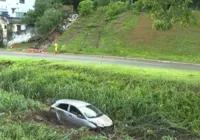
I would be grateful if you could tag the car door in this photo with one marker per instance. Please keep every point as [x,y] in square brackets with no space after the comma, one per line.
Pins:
[62,113]
[76,117]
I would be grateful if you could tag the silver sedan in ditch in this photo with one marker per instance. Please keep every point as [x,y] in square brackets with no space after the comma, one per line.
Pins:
[77,113]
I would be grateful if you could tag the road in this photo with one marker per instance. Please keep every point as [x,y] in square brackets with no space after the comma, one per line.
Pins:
[106,60]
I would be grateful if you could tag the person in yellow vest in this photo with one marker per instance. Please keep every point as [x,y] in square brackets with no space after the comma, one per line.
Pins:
[56,48]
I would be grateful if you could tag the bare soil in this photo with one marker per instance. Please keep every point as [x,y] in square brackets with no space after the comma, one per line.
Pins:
[47,118]
[143,34]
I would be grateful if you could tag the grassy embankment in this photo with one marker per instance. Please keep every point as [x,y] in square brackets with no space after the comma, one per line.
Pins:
[130,35]
[144,103]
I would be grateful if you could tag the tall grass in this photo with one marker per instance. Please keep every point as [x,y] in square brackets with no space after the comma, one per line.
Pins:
[37,131]
[11,102]
[30,131]
[134,99]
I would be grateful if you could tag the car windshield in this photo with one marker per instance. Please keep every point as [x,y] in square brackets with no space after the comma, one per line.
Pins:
[91,111]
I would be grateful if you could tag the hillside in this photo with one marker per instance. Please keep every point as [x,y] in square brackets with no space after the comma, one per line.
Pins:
[130,35]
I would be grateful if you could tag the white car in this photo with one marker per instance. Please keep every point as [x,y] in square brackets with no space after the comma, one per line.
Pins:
[78,114]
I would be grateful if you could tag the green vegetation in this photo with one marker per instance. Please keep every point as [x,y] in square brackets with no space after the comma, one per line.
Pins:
[130,35]
[86,7]
[45,17]
[116,8]
[14,102]
[164,13]
[144,103]
[38,131]
[117,28]
[27,131]
[48,21]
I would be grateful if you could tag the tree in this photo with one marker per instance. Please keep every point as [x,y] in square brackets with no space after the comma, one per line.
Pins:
[68,2]
[45,16]
[42,5]
[99,3]
[195,4]
[30,18]
[167,12]
[48,21]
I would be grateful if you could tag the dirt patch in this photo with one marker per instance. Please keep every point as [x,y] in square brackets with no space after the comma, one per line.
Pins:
[32,50]
[54,36]
[144,34]
[14,46]
[47,118]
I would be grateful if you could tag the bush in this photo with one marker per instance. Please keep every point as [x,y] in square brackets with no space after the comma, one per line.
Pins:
[115,8]
[162,25]
[85,7]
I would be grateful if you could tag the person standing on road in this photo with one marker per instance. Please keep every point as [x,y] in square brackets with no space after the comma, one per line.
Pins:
[56,48]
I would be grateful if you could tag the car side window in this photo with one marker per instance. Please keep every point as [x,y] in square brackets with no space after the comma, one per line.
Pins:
[63,106]
[75,111]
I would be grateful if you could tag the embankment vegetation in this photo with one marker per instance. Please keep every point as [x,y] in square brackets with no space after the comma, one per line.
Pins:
[144,103]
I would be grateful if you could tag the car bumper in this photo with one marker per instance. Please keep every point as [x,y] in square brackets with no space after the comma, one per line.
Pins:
[105,129]
[108,128]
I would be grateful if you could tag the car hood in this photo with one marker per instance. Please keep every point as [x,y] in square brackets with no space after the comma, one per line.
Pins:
[102,121]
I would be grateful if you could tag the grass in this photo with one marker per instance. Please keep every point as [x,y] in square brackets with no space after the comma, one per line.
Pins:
[16,103]
[38,131]
[131,35]
[150,103]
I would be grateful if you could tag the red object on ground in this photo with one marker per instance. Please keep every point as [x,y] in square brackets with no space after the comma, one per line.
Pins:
[32,50]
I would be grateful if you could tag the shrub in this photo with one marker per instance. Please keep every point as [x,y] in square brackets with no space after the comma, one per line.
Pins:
[162,25]
[85,7]
[115,8]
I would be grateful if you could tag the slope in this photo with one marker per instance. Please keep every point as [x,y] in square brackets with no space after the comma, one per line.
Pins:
[131,35]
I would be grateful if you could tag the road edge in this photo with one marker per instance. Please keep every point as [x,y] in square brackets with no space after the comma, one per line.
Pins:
[101,56]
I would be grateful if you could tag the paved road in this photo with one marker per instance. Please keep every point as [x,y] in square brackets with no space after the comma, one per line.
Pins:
[106,60]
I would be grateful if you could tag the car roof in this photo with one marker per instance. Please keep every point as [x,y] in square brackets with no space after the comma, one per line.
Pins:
[76,103]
